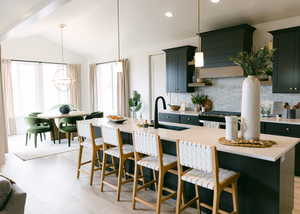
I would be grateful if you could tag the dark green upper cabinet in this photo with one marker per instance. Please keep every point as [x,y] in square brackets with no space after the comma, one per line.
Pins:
[286,66]
[179,72]
[219,45]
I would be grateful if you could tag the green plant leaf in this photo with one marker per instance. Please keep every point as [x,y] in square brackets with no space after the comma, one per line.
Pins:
[134,102]
[255,63]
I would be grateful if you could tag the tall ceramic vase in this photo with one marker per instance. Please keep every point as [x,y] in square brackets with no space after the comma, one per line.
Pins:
[250,114]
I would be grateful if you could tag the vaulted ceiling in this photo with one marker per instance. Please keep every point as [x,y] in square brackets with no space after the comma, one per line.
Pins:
[91,25]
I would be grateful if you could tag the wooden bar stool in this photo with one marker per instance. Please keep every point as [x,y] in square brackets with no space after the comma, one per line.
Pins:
[87,138]
[204,172]
[114,148]
[149,145]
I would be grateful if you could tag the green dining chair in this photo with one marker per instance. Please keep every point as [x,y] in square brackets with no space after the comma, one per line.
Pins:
[68,126]
[36,114]
[37,126]
[97,114]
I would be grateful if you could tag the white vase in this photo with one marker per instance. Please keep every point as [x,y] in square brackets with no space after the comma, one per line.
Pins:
[250,114]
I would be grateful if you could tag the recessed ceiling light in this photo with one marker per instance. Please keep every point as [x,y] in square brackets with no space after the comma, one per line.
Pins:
[215,1]
[168,14]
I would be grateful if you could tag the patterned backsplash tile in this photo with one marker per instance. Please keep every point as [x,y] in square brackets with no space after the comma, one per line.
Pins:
[226,95]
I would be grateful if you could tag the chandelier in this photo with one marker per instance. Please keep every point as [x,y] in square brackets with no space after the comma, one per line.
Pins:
[62,80]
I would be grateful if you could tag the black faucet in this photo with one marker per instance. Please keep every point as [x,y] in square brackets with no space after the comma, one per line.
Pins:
[156,125]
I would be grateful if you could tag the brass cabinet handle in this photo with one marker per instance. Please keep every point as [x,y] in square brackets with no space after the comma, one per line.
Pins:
[291,88]
[287,129]
[188,118]
[295,88]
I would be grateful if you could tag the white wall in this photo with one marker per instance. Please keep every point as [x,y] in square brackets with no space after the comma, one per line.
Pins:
[37,48]
[139,71]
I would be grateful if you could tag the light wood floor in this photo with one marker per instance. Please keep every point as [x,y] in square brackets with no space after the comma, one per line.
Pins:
[52,188]
[297,196]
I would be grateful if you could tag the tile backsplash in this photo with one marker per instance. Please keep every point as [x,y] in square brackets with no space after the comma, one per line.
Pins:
[226,95]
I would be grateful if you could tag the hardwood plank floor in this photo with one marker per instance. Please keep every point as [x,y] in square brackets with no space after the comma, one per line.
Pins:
[52,188]
[297,196]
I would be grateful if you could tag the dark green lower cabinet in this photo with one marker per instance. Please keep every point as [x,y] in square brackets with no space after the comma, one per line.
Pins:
[287,130]
[171,118]
[258,187]
[280,129]
[177,118]
[189,119]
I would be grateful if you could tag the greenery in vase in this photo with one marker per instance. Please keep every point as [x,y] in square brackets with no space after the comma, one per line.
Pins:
[134,102]
[199,99]
[255,63]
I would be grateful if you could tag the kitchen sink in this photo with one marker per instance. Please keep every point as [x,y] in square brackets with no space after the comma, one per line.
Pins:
[175,128]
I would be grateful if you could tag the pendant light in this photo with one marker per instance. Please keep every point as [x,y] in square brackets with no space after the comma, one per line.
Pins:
[62,80]
[119,61]
[199,55]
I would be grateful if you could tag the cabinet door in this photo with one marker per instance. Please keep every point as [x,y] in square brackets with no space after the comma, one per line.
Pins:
[182,71]
[285,62]
[285,130]
[190,120]
[172,70]
[297,67]
[171,118]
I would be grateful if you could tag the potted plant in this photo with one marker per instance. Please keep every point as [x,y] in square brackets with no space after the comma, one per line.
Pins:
[198,101]
[253,64]
[269,73]
[135,103]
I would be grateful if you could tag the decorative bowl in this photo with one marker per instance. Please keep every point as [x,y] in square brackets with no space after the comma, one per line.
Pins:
[116,118]
[65,109]
[174,107]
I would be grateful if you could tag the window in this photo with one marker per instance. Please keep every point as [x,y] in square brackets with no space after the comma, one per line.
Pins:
[106,86]
[52,96]
[33,90]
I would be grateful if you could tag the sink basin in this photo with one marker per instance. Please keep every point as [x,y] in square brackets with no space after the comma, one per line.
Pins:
[175,128]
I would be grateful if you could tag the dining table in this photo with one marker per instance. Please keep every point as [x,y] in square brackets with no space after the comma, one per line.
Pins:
[55,116]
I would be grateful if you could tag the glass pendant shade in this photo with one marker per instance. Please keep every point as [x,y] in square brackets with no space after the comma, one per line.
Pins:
[199,59]
[61,79]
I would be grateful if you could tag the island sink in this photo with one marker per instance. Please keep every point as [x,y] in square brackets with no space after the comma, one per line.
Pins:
[175,128]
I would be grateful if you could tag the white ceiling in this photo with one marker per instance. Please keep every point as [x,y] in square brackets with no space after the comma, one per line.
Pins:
[13,11]
[91,25]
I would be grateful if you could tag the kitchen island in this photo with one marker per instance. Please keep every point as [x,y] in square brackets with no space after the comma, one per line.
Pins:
[266,185]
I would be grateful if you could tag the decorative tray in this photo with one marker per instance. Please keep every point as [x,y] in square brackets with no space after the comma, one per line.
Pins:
[247,143]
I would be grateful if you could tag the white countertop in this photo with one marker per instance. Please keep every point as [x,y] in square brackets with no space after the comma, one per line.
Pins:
[280,120]
[263,119]
[209,136]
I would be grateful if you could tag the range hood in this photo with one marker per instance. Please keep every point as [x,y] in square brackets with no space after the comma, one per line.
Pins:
[219,45]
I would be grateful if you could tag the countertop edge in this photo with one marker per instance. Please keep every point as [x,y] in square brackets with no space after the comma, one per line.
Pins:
[129,128]
[264,119]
